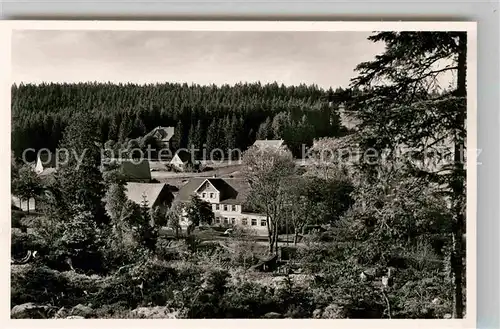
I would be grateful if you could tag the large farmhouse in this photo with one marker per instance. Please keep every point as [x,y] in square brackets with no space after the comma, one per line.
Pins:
[228,199]
[163,135]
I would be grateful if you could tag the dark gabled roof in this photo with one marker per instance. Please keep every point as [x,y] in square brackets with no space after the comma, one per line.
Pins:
[233,190]
[184,155]
[133,169]
[163,133]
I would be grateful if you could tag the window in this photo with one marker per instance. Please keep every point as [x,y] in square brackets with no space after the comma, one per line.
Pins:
[234,208]
[217,220]
[233,221]
[254,221]
[263,222]
[225,207]
[204,195]
[211,195]
[244,221]
[226,220]
[216,206]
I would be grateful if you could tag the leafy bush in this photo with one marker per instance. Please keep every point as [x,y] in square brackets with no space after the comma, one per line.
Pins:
[40,284]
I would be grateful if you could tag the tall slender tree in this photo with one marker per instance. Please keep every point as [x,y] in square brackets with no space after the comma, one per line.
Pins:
[268,171]
[79,175]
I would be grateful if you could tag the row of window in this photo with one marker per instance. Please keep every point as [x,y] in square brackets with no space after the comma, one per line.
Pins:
[225,207]
[244,221]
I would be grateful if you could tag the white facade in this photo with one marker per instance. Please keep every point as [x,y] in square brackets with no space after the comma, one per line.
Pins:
[177,162]
[228,213]
[231,215]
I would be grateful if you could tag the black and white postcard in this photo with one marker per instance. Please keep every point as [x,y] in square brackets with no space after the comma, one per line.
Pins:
[241,170]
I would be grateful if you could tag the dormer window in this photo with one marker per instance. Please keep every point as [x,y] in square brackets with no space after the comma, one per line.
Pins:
[204,195]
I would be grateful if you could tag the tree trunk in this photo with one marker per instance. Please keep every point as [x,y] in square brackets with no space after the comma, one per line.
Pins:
[270,236]
[189,229]
[458,187]
[275,238]
[271,245]
[28,205]
[295,237]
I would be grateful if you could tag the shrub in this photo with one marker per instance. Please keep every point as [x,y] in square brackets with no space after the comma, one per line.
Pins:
[42,285]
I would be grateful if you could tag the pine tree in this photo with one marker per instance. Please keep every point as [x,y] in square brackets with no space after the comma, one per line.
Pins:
[280,124]
[264,131]
[80,178]
[139,129]
[198,136]
[232,133]
[178,140]
[212,136]
[191,141]
[222,130]
[115,200]
[125,129]
[114,128]
[251,138]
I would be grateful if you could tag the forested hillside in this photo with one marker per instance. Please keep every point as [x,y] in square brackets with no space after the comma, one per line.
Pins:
[220,116]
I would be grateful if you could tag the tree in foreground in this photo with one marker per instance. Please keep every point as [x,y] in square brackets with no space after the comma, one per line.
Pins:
[402,103]
[268,170]
[312,200]
[174,217]
[26,184]
[115,197]
[80,178]
[198,212]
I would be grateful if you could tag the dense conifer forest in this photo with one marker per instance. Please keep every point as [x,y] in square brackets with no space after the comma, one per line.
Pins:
[218,116]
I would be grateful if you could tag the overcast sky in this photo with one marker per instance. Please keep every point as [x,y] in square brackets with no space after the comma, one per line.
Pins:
[323,58]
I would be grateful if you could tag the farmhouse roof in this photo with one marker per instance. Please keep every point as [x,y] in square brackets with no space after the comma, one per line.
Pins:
[138,192]
[233,190]
[164,134]
[275,143]
[183,155]
[134,169]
